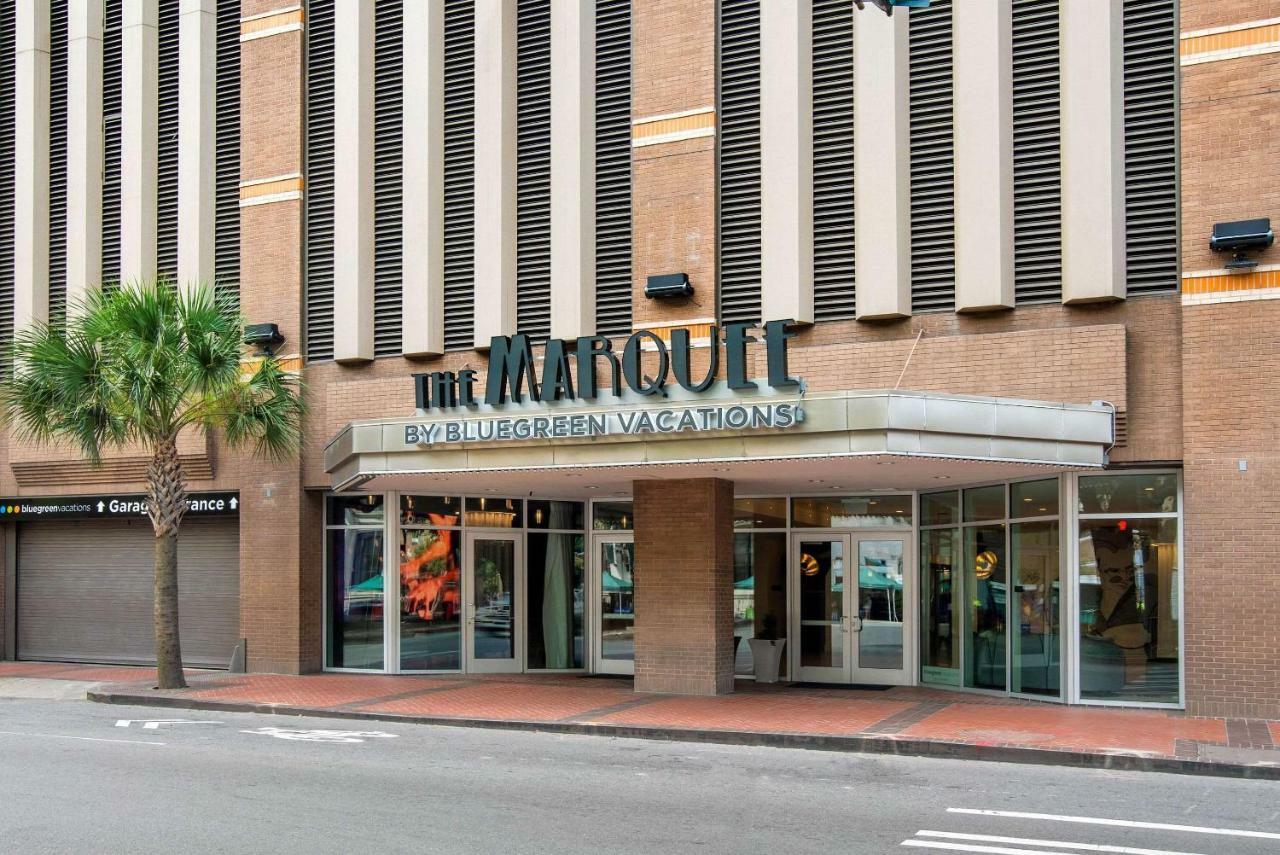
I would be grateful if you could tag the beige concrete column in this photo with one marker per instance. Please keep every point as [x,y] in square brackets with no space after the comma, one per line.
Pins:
[573,168]
[197,154]
[422,292]
[882,166]
[1091,54]
[353,181]
[495,170]
[31,165]
[684,586]
[84,150]
[786,161]
[139,93]
[982,47]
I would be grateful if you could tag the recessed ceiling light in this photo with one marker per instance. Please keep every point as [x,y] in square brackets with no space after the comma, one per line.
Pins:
[1027,499]
[592,487]
[1044,509]
[942,477]
[873,502]
[816,481]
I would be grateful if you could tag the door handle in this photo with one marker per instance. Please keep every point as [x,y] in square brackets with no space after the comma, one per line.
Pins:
[855,624]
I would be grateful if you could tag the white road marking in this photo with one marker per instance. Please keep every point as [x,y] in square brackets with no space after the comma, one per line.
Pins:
[1057,844]
[1120,823]
[320,735]
[154,723]
[83,738]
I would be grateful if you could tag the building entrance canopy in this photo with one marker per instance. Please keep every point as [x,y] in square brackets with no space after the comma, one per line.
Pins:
[761,441]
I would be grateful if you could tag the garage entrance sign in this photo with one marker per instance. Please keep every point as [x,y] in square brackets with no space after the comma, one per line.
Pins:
[111,506]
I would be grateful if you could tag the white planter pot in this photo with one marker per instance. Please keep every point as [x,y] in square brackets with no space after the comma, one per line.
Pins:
[767,656]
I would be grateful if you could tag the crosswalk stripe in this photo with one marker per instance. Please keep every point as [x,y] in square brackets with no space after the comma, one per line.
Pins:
[1057,844]
[1119,823]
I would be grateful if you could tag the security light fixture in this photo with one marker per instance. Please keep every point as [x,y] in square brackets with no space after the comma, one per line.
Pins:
[1240,237]
[668,285]
[266,337]
[887,6]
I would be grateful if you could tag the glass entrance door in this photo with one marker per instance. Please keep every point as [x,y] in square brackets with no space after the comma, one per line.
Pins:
[493,602]
[613,590]
[851,620]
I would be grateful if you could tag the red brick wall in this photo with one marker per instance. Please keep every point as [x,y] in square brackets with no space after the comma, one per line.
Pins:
[684,586]
[1230,111]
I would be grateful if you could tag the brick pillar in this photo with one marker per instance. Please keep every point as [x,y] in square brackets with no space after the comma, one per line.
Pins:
[684,586]
[673,175]
[278,610]
[1230,389]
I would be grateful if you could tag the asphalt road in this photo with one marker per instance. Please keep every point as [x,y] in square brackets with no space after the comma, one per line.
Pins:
[73,779]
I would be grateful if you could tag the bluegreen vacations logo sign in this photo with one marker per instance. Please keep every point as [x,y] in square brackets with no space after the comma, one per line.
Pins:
[573,371]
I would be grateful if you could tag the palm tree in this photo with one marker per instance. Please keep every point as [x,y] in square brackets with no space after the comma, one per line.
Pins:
[134,366]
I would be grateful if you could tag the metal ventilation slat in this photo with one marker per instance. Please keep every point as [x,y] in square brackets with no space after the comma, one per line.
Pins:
[167,144]
[833,235]
[459,174]
[739,155]
[1037,154]
[58,23]
[1151,130]
[533,168]
[388,175]
[319,186]
[613,167]
[111,141]
[933,244]
[8,148]
[226,228]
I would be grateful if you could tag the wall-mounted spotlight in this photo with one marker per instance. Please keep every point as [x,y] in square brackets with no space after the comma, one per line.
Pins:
[266,337]
[1240,237]
[667,286]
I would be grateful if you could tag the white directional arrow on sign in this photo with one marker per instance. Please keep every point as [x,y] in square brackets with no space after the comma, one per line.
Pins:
[154,723]
[234,502]
[101,505]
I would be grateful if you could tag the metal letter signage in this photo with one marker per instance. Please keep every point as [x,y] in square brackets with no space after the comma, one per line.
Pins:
[632,422]
[512,376]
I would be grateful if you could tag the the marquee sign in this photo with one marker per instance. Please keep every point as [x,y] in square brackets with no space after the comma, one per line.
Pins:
[647,366]
[570,372]
[110,506]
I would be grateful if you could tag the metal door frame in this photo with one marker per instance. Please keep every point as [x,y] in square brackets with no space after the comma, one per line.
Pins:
[600,665]
[515,664]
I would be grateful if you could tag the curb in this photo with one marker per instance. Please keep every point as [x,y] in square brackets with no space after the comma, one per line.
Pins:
[813,742]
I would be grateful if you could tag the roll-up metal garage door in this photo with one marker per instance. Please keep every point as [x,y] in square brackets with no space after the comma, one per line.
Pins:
[85,591]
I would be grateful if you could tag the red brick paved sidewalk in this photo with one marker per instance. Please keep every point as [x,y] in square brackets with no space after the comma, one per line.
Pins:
[910,721]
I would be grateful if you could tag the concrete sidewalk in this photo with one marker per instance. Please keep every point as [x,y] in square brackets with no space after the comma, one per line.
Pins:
[913,721]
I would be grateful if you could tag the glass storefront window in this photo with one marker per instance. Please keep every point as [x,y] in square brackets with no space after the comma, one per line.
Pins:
[555,515]
[555,598]
[1034,498]
[986,591]
[355,598]
[1140,493]
[760,513]
[490,512]
[430,599]
[940,508]
[612,516]
[759,593]
[1129,609]
[984,503]
[852,512]
[355,510]
[941,606]
[1035,608]
[430,510]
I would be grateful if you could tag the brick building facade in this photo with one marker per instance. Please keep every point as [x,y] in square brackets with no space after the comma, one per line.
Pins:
[1037,406]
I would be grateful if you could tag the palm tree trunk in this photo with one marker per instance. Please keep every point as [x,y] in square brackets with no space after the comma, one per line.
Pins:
[166,504]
